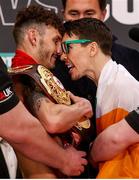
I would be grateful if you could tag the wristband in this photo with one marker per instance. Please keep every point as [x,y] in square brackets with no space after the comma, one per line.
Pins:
[133,119]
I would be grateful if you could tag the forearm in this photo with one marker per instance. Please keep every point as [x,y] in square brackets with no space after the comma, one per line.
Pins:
[43,150]
[27,135]
[104,148]
[58,118]
[113,140]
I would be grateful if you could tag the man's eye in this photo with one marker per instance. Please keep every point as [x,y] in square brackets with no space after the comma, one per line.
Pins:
[89,14]
[69,47]
[56,42]
[73,13]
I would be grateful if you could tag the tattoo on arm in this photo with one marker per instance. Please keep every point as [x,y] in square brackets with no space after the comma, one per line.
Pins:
[34,101]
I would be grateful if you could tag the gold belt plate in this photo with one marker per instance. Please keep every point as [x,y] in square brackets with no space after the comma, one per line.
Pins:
[53,86]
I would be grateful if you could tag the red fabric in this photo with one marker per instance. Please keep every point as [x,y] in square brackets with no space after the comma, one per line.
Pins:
[21,58]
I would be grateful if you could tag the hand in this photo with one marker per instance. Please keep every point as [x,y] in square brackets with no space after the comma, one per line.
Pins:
[83,103]
[75,162]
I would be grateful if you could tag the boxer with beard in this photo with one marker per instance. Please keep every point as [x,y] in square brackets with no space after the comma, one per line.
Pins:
[38,34]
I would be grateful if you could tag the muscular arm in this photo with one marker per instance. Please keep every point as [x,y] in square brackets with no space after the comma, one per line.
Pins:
[113,140]
[26,135]
[58,118]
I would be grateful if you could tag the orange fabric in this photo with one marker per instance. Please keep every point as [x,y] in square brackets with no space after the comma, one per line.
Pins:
[124,165]
[110,118]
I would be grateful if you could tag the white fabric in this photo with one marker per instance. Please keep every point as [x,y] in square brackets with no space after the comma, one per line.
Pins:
[10,158]
[116,89]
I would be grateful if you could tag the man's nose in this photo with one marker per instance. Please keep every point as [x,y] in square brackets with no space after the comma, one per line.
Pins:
[81,16]
[59,50]
[63,57]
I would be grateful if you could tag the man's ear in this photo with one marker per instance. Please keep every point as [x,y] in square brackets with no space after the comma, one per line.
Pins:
[103,15]
[63,14]
[32,36]
[93,48]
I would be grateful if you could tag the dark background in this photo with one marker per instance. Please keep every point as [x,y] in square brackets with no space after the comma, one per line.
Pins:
[122,16]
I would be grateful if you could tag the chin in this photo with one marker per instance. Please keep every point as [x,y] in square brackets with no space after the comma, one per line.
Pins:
[51,66]
[75,77]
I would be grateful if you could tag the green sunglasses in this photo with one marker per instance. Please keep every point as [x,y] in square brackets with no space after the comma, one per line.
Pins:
[65,44]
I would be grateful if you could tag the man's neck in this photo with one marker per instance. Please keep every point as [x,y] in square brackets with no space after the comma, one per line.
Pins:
[97,65]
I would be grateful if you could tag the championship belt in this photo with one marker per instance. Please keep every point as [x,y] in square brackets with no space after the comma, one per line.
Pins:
[55,91]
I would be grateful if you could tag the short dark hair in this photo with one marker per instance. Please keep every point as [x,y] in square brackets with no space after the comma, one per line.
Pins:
[35,15]
[102,4]
[92,29]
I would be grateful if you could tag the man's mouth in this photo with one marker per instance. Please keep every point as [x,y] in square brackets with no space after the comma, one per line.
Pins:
[69,65]
[55,56]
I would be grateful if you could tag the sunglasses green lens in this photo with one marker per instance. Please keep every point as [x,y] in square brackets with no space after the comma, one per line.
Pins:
[65,44]
[65,48]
